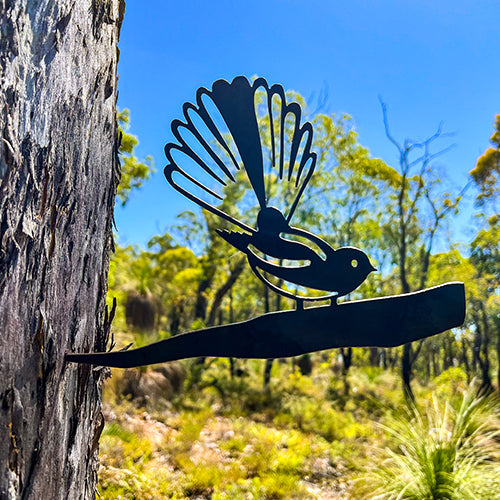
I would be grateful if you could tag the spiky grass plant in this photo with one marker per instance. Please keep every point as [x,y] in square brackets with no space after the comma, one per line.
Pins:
[447,451]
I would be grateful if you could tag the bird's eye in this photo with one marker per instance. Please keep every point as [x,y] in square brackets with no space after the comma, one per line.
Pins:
[354,263]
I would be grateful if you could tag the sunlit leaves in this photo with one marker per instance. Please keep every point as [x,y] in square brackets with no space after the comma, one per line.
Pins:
[134,171]
[487,170]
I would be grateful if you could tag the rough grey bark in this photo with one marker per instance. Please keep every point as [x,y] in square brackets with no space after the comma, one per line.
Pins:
[58,176]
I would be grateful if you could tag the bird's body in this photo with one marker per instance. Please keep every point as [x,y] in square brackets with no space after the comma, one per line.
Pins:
[336,271]
[335,274]
[220,142]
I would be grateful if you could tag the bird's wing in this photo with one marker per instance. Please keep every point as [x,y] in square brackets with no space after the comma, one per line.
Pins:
[315,243]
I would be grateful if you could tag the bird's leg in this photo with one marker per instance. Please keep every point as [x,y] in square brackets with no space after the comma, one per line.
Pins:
[333,301]
[299,304]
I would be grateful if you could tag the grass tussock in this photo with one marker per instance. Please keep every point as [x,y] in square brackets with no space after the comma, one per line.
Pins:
[447,450]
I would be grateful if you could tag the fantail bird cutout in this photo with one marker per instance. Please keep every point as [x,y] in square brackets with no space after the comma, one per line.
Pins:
[244,138]
[243,155]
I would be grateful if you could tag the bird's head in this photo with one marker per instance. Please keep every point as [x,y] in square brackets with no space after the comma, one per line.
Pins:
[271,220]
[357,262]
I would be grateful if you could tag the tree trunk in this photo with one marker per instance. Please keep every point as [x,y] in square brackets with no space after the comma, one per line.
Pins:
[201,304]
[224,289]
[428,365]
[465,359]
[58,175]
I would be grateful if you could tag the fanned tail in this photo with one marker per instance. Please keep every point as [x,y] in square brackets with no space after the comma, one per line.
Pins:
[239,130]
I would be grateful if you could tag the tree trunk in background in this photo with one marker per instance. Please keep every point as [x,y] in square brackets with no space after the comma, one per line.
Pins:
[465,360]
[346,354]
[268,365]
[485,364]
[224,289]
[496,320]
[406,371]
[374,356]
[58,175]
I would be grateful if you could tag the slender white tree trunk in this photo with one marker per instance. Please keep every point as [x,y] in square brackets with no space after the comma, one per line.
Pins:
[58,176]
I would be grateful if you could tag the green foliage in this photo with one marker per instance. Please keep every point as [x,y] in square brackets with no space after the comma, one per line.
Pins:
[485,253]
[228,438]
[166,272]
[450,384]
[134,172]
[445,452]
[486,173]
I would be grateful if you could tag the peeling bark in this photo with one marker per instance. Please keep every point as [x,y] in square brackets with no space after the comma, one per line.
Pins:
[58,177]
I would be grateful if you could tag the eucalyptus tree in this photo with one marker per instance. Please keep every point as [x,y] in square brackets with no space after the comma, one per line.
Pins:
[485,254]
[58,175]
[417,208]
[345,199]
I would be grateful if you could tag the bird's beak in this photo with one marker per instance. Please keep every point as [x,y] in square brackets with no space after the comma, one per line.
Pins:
[373,268]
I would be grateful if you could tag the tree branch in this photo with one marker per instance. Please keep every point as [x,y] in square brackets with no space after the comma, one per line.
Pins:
[380,322]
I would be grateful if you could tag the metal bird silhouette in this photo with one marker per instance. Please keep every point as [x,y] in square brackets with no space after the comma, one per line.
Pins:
[222,150]
[220,144]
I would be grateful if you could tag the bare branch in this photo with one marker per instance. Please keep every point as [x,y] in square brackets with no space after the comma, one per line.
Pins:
[429,157]
[386,126]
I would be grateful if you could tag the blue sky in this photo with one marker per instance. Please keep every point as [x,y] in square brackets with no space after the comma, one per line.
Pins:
[430,61]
